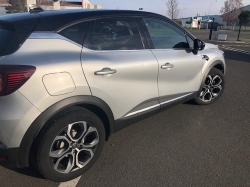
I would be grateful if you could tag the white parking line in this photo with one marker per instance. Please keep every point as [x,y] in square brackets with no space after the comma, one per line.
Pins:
[71,183]
[234,49]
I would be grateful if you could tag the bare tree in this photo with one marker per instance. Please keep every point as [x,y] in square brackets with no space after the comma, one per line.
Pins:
[231,10]
[173,10]
[16,6]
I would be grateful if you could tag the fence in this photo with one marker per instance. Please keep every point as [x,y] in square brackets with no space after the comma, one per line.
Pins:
[233,27]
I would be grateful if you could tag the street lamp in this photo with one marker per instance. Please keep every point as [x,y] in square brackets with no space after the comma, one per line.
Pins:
[182,11]
[209,9]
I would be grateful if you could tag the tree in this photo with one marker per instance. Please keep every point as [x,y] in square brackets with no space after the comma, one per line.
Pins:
[16,6]
[231,11]
[173,10]
[244,18]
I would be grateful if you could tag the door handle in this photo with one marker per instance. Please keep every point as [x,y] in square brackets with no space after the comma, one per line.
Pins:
[205,57]
[167,66]
[105,71]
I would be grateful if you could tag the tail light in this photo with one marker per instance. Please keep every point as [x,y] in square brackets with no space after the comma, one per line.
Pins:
[12,77]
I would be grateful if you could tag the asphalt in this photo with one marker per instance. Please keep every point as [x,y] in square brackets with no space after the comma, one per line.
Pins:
[187,145]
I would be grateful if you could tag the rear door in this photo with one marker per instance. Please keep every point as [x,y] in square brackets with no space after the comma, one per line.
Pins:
[118,68]
[179,67]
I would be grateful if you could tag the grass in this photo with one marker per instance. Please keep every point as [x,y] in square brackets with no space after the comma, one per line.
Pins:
[242,30]
[194,30]
[246,37]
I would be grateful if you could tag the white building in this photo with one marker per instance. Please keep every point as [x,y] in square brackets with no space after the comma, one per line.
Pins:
[3,4]
[64,4]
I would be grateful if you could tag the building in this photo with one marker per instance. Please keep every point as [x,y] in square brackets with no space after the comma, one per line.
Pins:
[3,5]
[194,21]
[64,4]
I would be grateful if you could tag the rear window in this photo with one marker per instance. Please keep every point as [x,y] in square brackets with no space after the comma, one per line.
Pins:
[7,33]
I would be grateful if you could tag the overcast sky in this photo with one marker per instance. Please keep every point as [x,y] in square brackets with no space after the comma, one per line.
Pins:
[159,6]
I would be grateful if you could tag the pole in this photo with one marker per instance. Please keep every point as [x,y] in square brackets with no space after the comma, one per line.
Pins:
[209,9]
[182,11]
[83,4]
[239,32]
[211,30]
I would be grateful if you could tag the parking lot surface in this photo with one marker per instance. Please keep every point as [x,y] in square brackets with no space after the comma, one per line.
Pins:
[187,145]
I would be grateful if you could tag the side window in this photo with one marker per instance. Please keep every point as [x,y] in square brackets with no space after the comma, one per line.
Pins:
[190,41]
[164,35]
[114,34]
[75,32]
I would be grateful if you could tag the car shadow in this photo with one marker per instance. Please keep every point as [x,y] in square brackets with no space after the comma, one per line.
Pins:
[29,171]
[190,102]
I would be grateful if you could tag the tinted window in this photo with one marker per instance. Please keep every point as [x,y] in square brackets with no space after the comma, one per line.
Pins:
[164,35]
[190,42]
[114,34]
[76,32]
[7,33]
[5,38]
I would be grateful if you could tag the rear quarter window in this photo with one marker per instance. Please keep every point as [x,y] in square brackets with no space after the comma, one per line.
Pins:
[75,32]
[7,33]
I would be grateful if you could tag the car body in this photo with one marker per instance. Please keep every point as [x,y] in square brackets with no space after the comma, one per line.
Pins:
[112,63]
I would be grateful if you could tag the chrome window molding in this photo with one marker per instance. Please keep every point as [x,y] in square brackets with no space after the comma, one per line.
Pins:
[50,35]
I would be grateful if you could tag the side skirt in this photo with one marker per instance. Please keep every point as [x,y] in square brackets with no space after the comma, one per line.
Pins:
[127,121]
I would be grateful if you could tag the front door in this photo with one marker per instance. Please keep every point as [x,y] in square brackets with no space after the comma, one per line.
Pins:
[179,67]
[118,68]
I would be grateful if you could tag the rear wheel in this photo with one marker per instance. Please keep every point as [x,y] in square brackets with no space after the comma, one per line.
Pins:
[212,88]
[71,145]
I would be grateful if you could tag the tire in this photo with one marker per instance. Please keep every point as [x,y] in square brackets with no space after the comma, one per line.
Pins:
[212,88]
[71,145]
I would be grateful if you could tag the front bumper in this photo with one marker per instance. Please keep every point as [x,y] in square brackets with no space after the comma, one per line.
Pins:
[8,157]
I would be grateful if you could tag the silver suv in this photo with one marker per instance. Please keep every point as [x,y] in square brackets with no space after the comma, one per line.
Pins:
[70,79]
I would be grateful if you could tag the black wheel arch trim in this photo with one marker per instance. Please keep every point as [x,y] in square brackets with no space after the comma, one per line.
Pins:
[217,62]
[40,121]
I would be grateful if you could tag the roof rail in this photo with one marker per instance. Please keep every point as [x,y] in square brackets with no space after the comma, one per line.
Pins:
[35,8]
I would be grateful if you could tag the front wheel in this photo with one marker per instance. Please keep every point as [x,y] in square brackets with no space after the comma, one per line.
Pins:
[70,145]
[212,88]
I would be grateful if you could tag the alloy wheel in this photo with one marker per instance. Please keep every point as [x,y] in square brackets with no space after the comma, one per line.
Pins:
[211,88]
[74,147]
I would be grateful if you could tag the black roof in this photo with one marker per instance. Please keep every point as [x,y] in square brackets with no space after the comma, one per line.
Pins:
[53,20]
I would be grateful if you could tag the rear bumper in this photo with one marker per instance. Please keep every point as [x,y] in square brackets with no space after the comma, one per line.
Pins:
[8,157]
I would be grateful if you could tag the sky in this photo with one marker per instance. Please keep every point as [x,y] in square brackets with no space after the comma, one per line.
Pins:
[194,7]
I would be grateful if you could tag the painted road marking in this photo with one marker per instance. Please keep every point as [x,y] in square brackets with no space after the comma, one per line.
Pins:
[234,49]
[71,183]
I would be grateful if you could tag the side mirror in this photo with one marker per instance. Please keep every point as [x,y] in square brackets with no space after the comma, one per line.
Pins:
[198,45]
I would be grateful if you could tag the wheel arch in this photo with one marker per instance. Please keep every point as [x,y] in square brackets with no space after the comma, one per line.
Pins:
[91,103]
[218,64]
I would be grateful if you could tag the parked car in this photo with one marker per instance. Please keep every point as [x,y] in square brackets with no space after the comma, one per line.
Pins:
[70,79]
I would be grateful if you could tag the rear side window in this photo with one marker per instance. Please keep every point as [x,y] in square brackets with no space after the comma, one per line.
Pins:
[75,32]
[7,33]
[114,34]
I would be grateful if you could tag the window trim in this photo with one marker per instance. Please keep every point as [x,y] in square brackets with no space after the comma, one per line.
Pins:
[93,22]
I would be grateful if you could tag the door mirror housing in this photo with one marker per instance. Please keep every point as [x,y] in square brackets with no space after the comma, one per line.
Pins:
[198,45]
